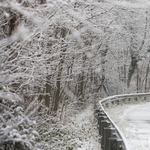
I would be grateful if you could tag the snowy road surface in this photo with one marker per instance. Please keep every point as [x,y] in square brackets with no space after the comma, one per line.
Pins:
[134,121]
[140,117]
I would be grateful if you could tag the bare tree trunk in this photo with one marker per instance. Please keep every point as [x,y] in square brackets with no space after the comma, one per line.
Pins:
[60,68]
[42,1]
[147,71]
[57,92]
[12,23]
[81,80]
[137,81]
[48,90]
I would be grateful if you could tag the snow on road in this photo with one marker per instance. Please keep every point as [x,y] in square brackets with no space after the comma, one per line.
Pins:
[134,121]
[140,116]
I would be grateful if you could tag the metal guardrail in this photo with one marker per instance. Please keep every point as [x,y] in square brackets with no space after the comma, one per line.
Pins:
[112,137]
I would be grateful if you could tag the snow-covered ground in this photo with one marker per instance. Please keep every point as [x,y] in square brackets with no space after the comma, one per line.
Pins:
[87,121]
[134,121]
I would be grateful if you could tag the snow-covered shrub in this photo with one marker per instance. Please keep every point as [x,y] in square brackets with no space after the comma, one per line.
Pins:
[76,130]
[17,131]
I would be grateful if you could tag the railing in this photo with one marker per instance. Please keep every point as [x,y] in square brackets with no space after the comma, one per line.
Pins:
[112,137]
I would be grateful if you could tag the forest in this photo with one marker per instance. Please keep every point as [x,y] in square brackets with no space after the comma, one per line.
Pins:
[58,57]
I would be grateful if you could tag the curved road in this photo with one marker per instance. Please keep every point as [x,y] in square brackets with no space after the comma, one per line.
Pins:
[138,131]
[139,115]
[134,121]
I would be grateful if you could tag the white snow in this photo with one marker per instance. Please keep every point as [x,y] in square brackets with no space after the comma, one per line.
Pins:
[85,121]
[89,55]
[134,122]
[21,32]
[98,70]
[131,4]
[17,7]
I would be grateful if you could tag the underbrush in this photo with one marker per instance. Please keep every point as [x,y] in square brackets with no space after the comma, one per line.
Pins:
[19,130]
[70,133]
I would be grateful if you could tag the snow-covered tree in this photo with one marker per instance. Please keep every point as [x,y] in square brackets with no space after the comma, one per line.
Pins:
[59,55]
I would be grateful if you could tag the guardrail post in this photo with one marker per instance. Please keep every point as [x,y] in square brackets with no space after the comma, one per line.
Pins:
[124,101]
[129,99]
[117,102]
[135,98]
[107,105]
[112,102]
[115,144]
[101,118]
[108,133]
[104,124]
[119,144]
[97,111]
[112,143]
